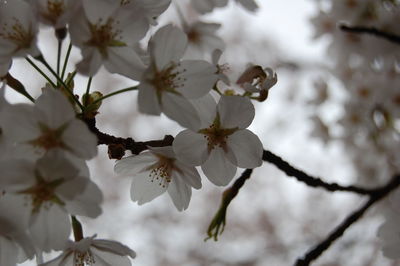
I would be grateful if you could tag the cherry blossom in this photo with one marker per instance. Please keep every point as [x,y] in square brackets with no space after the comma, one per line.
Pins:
[94,252]
[52,188]
[106,33]
[157,171]
[47,125]
[56,13]
[168,82]
[222,142]
[18,30]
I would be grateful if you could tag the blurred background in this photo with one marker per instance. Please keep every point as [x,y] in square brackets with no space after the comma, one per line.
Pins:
[274,219]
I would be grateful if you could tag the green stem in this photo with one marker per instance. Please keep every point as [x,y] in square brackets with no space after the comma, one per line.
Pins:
[76,228]
[41,59]
[89,83]
[41,72]
[115,93]
[66,60]
[59,56]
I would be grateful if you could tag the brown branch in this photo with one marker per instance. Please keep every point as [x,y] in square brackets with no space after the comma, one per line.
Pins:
[310,180]
[125,143]
[372,31]
[375,196]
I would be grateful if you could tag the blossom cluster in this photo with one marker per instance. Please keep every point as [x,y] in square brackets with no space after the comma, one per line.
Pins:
[45,183]
[368,68]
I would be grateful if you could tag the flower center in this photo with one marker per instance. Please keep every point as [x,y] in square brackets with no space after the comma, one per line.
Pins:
[42,193]
[216,135]
[55,8]
[49,138]
[162,170]
[167,80]
[16,33]
[83,258]
[105,35]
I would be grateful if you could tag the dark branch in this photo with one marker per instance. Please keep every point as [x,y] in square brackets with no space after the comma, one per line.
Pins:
[372,31]
[307,179]
[338,232]
[127,143]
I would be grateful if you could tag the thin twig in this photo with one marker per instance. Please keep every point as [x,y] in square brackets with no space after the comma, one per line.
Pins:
[375,196]
[372,31]
[310,180]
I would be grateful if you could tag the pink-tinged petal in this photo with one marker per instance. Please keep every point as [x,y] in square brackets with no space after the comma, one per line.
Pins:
[55,109]
[50,228]
[190,148]
[235,111]
[96,10]
[124,61]
[87,203]
[188,175]
[147,99]
[79,140]
[218,169]
[199,78]
[246,147]
[145,189]
[103,258]
[180,110]
[180,194]
[90,63]
[167,45]
[16,174]
[206,107]
[135,164]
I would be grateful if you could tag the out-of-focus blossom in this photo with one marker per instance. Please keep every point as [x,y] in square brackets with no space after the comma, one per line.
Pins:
[49,124]
[18,30]
[106,33]
[206,6]
[157,171]
[94,252]
[168,82]
[52,189]
[56,13]
[222,142]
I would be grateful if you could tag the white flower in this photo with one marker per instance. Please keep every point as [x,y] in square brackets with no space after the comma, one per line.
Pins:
[106,32]
[157,171]
[18,30]
[168,82]
[222,142]
[56,13]
[202,38]
[52,188]
[49,124]
[148,9]
[94,252]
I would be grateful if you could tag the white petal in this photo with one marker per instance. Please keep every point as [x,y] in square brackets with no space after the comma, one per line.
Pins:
[180,110]
[199,78]
[91,61]
[166,151]
[190,147]
[235,111]
[124,61]
[246,147]
[147,99]
[134,164]
[167,45]
[144,190]
[50,228]
[87,203]
[55,166]
[99,9]
[103,258]
[218,169]
[113,247]
[16,174]
[180,194]
[206,107]
[188,174]
[8,252]
[80,140]
[64,259]
[55,109]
